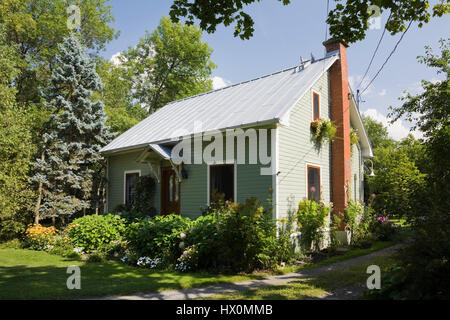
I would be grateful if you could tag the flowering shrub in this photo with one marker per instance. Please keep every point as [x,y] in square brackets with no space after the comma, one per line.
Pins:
[39,237]
[147,262]
[93,231]
[158,236]
[323,129]
[312,219]
[235,237]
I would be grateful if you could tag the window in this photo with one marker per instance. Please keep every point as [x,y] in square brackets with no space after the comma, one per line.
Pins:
[130,184]
[221,182]
[313,183]
[316,106]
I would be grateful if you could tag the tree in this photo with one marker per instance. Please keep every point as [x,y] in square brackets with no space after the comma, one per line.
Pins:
[72,165]
[36,27]
[121,109]
[348,22]
[168,64]
[377,133]
[425,262]
[15,149]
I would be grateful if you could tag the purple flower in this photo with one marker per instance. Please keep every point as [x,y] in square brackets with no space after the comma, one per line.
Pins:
[382,219]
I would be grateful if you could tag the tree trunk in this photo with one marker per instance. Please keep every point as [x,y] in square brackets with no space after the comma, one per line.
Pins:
[40,187]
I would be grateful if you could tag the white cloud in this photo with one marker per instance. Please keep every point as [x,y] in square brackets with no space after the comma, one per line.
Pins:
[382,92]
[219,82]
[397,130]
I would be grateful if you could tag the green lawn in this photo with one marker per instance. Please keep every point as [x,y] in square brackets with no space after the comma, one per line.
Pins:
[313,287]
[26,274]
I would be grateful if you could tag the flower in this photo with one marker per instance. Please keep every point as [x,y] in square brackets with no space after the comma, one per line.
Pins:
[373,195]
[313,189]
[182,236]
[182,245]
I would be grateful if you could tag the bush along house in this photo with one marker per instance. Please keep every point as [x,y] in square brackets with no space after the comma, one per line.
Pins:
[269,133]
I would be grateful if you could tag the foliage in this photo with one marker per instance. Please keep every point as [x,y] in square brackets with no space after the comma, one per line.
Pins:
[236,237]
[377,133]
[168,64]
[144,193]
[158,237]
[122,111]
[312,220]
[72,167]
[425,261]
[347,21]
[396,181]
[36,27]
[91,232]
[354,139]
[16,150]
[39,237]
[323,129]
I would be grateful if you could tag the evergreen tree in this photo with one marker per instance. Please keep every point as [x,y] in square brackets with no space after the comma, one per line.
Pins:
[71,166]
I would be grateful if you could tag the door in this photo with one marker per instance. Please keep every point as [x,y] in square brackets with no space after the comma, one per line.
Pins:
[170,192]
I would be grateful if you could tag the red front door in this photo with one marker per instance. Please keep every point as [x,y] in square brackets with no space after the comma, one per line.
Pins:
[170,192]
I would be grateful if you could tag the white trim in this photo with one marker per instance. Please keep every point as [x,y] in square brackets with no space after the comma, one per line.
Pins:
[312,102]
[306,176]
[106,207]
[208,165]
[275,180]
[125,181]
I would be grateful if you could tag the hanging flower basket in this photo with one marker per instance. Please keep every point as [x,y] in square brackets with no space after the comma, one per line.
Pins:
[322,129]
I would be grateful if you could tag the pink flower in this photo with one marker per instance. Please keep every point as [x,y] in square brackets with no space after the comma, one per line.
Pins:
[373,195]
[313,189]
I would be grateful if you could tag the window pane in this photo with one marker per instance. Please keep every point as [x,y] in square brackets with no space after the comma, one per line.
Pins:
[314,184]
[222,181]
[316,107]
[130,184]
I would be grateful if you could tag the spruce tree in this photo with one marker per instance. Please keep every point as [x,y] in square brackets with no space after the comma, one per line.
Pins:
[70,166]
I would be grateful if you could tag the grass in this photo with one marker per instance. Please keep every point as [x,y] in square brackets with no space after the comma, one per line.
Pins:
[27,274]
[313,287]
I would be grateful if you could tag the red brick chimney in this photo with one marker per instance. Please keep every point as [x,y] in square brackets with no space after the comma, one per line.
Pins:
[340,114]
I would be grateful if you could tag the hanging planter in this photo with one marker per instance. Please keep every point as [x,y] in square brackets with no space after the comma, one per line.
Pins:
[354,139]
[323,130]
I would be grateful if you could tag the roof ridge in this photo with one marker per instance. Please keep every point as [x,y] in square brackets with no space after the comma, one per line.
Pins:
[246,81]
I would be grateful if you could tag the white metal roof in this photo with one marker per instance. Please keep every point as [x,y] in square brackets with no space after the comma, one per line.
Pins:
[256,101]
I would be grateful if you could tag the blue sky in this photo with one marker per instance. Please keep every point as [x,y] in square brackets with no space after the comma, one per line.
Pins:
[285,33]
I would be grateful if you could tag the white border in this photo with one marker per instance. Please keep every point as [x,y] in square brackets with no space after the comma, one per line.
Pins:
[125,181]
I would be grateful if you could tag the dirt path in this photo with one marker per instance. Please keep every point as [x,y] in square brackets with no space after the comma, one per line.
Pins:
[203,292]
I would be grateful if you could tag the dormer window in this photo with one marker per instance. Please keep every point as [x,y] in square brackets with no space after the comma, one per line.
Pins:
[316,106]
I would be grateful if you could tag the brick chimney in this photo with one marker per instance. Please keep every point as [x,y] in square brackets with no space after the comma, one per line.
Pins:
[340,114]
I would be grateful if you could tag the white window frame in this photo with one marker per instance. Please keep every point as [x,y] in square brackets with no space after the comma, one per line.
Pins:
[312,103]
[208,182]
[125,182]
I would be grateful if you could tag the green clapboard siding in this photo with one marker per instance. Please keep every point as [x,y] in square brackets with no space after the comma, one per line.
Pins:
[296,150]
[357,174]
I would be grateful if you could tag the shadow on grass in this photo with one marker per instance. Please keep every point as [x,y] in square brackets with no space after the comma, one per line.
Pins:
[97,280]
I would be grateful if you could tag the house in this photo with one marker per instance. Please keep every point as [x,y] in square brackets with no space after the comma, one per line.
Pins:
[247,139]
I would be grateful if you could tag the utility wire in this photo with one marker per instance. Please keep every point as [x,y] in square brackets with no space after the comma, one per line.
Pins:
[387,59]
[374,53]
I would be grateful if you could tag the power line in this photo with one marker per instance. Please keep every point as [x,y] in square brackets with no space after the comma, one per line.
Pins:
[387,59]
[374,53]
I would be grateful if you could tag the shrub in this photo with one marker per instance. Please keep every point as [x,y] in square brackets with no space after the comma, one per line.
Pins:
[96,257]
[312,219]
[39,237]
[92,231]
[234,237]
[143,196]
[158,237]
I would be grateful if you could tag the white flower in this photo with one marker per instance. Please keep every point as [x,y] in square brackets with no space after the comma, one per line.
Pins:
[182,245]
[78,250]
[182,236]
